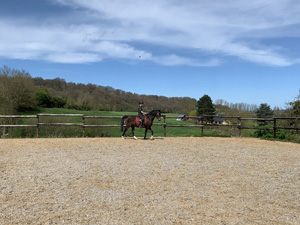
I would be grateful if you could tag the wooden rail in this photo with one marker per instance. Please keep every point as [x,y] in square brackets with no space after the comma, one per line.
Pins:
[198,119]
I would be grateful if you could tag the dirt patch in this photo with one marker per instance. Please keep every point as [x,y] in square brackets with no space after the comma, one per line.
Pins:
[164,181]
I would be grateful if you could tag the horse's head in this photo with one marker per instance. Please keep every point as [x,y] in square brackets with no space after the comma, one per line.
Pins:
[158,115]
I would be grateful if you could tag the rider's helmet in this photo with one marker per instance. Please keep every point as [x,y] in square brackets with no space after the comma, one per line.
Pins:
[141,102]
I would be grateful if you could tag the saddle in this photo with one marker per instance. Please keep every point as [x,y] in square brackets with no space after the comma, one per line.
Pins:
[138,120]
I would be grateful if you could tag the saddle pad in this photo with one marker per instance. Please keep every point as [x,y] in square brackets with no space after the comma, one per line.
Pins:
[137,120]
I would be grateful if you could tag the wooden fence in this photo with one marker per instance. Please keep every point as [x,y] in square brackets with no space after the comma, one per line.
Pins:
[198,120]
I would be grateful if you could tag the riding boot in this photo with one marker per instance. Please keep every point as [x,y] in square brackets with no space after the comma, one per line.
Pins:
[142,124]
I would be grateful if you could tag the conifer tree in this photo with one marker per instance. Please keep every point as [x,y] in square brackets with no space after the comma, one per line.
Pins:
[206,107]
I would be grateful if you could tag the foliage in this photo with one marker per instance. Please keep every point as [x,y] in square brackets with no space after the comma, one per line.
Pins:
[193,113]
[100,107]
[44,99]
[269,134]
[235,109]
[58,102]
[264,111]
[295,106]
[17,89]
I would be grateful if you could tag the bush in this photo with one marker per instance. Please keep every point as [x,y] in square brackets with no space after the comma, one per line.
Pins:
[59,102]
[44,99]
[269,134]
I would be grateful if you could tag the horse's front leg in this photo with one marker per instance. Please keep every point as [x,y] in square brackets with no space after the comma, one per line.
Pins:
[146,129]
[151,133]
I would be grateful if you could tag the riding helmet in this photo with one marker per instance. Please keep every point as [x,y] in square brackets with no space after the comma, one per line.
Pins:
[141,102]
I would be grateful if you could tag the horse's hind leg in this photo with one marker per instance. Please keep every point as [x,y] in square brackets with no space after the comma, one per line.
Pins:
[132,131]
[124,133]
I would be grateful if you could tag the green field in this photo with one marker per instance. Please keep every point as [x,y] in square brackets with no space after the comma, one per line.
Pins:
[76,131]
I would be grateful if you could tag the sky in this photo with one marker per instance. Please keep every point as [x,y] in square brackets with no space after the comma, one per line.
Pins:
[235,50]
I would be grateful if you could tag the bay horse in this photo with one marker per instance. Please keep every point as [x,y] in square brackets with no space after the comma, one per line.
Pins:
[133,121]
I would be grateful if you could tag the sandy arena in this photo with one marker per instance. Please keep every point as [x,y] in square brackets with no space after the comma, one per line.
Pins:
[164,181]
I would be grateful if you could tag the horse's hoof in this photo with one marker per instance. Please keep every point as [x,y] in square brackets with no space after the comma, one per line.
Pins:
[135,137]
[123,137]
[151,137]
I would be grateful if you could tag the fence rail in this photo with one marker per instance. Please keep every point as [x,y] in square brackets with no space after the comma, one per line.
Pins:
[198,119]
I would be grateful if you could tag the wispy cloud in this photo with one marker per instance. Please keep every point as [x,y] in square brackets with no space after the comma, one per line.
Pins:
[174,60]
[110,29]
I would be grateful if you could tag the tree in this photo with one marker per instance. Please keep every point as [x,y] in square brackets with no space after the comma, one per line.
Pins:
[206,107]
[17,89]
[295,106]
[264,111]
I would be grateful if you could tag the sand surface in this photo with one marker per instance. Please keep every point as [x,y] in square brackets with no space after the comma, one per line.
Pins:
[163,181]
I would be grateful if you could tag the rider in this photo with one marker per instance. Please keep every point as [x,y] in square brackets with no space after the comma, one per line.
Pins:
[141,113]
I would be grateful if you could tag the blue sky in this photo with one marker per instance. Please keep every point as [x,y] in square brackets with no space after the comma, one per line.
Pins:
[236,50]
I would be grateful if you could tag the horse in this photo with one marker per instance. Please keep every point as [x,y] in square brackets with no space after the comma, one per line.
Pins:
[133,121]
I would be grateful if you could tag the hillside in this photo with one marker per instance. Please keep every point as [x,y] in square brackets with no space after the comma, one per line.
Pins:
[97,97]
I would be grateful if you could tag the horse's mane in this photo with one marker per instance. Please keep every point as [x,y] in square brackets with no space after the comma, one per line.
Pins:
[153,112]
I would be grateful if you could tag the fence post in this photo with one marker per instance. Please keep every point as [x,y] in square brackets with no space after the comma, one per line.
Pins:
[165,132]
[202,128]
[83,126]
[37,125]
[274,128]
[240,126]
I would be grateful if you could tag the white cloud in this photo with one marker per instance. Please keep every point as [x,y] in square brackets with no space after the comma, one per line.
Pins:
[66,57]
[260,56]
[119,50]
[110,29]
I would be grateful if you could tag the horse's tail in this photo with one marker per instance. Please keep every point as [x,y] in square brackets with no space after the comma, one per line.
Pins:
[122,122]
